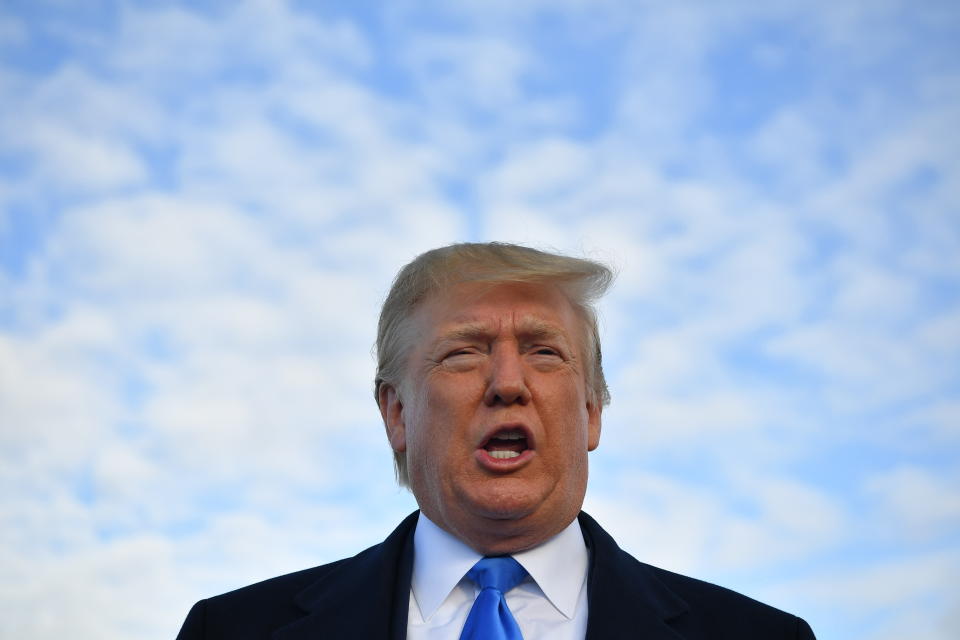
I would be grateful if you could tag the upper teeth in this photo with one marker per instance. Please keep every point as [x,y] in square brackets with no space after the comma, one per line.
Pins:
[510,436]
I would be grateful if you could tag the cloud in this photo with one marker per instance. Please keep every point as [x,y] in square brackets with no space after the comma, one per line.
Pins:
[86,162]
[916,503]
[219,41]
[756,522]
[207,205]
[910,596]
[485,72]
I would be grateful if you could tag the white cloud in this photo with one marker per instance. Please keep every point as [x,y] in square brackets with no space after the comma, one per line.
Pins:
[221,197]
[51,411]
[792,144]
[87,584]
[915,503]
[204,44]
[936,423]
[864,591]
[704,530]
[542,167]
[83,161]
[483,72]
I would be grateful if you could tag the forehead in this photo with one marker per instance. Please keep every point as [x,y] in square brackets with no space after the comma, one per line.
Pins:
[537,308]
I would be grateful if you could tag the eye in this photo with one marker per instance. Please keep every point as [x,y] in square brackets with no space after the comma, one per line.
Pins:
[462,351]
[461,359]
[543,350]
[545,358]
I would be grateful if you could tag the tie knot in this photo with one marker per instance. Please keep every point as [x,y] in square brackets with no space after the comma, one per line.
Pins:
[500,572]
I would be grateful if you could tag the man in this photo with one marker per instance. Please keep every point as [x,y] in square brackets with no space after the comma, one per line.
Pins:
[490,386]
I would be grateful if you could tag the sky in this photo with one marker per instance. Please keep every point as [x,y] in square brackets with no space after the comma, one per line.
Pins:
[202,206]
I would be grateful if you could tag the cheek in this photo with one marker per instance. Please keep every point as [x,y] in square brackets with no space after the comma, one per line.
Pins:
[431,425]
[567,397]
[570,418]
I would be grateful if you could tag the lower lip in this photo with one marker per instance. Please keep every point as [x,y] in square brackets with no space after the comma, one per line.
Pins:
[502,465]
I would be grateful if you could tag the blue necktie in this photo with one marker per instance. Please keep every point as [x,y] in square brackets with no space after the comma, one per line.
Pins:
[490,619]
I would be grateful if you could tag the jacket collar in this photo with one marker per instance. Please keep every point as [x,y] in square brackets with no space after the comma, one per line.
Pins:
[365,596]
[626,599]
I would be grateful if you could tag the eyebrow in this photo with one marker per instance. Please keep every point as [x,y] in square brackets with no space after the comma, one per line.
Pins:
[529,328]
[540,329]
[466,331]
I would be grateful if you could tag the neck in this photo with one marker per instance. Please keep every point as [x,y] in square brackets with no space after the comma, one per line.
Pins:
[493,537]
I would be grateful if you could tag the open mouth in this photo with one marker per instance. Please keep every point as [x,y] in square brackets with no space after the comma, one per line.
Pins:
[507,444]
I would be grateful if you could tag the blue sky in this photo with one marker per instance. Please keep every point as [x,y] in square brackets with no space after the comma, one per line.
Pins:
[202,206]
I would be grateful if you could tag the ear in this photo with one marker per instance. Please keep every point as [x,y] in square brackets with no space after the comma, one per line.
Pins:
[593,425]
[391,409]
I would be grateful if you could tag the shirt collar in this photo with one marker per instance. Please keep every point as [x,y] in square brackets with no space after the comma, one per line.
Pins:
[440,561]
[559,567]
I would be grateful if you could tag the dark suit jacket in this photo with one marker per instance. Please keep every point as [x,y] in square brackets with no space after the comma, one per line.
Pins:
[367,596]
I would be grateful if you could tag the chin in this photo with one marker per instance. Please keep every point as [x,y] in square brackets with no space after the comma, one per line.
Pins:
[506,499]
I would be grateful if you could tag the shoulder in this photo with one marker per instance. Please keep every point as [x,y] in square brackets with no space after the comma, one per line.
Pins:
[259,609]
[249,612]
[706,594]
[281,588]
[727,613]
[695,608]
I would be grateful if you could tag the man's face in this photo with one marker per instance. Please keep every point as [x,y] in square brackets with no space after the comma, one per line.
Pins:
[493,414]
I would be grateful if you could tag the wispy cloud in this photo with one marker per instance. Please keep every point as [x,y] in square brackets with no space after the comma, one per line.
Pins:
[203,206]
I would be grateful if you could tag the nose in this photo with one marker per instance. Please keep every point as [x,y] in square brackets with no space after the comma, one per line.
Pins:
[507,383]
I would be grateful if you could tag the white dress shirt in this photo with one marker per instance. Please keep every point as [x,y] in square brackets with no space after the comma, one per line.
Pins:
[551,602]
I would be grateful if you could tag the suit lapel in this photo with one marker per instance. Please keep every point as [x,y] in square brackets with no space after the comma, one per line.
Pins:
[365,596]
[625,599]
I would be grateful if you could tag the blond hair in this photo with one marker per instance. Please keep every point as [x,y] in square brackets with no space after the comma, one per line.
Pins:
[430,273]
